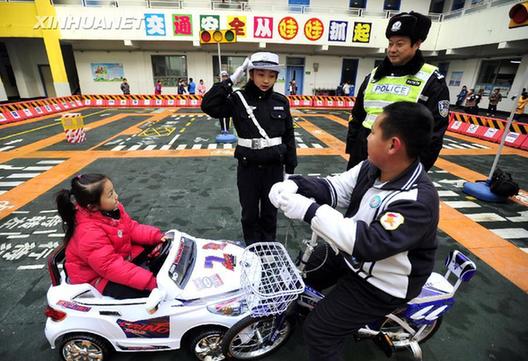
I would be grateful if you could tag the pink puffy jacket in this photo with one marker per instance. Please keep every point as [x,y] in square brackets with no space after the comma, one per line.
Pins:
[102,248]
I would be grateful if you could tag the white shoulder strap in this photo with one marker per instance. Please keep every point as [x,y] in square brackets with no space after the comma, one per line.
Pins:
[251,115]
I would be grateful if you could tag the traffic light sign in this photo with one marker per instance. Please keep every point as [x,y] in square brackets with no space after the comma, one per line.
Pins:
[519,15]
[217,36]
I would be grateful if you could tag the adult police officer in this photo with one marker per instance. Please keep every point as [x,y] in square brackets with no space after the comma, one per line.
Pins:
[266,141]
[403,76]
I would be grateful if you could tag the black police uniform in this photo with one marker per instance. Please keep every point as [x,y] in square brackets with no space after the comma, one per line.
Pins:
[434,96]
[258,169]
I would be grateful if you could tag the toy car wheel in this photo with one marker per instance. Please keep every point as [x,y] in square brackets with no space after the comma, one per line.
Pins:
[206,345]
[84,347]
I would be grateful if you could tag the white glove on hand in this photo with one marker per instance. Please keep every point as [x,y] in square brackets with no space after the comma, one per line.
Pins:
[294,206]
[239,72]
[287,176]
[287,186]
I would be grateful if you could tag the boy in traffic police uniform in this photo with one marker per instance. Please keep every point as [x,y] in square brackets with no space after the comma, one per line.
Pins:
[403,76]
[386,238]
[266,142]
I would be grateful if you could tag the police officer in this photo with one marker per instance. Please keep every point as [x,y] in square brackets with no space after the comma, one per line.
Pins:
[403,76]
[266,141]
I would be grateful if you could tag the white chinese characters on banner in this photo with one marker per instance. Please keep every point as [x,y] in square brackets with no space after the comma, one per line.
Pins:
[338,30]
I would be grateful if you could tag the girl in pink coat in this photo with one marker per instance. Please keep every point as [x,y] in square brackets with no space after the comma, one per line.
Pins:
[103,244]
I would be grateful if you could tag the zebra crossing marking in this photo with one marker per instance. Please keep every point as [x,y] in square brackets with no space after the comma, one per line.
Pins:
[486,217]
[510,233]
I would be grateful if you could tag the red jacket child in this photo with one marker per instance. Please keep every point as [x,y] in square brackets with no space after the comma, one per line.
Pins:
[101,250]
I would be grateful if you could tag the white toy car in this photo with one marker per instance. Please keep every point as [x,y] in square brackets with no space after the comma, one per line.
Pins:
[198,298]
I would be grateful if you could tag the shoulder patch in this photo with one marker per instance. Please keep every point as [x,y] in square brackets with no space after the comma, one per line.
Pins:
[438,74]
[443,108]
[391,220]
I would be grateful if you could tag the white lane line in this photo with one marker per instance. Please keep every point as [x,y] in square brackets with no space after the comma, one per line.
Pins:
[211,146]
[511,233]
[9,233]
[447,146]
[462,204]
[173,140]
[524,249]
[56,235]
[14,141]
[447,194]
[20,212]
[135,147]
[23,175]
[197,146]
[37,168]
[486,217]
[6,148]
[119,147]
[165,147]
[18,236]
[150,147]
[49,211]
[181,146]
[301,145]
[317,145]
[50,162]
[30,267]
[9,167]
[228,146]
[10,184]
[44,232]
[299,140]
[480,146]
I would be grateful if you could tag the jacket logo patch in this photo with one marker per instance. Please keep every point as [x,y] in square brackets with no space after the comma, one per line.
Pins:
[443,108]
[120,233]
[278,108]
[391,221]
[375,201]
[391,89]
[413,82]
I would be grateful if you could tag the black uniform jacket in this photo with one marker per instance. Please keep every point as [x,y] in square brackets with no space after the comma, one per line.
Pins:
[434,97]
[272,111]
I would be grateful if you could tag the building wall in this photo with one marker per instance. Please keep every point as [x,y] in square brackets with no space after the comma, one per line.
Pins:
[25,67]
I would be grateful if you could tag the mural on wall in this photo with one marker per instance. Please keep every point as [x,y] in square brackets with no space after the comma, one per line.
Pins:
[361,32]
[262,27]
[313,29]
[288,28]
[182,24]
[238,24]
[209,22]
[337,30]
[155,25]
[107,72]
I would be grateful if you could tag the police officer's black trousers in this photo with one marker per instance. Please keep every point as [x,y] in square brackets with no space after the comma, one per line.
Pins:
[259,216]
[350,305]
[358,147]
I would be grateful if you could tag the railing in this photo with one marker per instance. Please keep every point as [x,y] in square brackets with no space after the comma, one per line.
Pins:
[272,7]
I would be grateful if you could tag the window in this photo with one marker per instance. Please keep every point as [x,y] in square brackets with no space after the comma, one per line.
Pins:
[497,74]
[437,6]
[299,2]
[391,5]
[357,4]
[458,4]
[229,64]
[169,69]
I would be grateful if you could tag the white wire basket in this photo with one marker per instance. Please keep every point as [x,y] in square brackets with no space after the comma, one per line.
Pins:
[269,278]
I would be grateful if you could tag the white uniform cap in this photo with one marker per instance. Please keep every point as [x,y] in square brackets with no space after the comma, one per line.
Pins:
[224,73]
[265,61]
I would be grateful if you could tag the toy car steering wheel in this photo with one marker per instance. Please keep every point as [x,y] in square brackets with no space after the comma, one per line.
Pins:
[158,255]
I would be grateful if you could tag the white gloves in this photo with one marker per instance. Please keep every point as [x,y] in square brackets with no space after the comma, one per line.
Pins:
[294,206]
[287,176]
[287,186]
[239,72]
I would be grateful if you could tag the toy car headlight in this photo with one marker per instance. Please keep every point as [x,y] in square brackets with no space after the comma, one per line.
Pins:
[232,307]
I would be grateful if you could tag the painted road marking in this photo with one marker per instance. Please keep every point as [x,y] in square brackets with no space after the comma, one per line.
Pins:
[23,175]
[37,168]
[212,146]
[228,146]
[10,184]
[3,149]
[119,147]
[135,147]
[486,217]
[317,145]
[447,193]
[150,147]
[511,233]
[50,162]
[181,146]
[462,204]
[197,146]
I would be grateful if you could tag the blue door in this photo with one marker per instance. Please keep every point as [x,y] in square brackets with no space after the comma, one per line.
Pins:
[294,72]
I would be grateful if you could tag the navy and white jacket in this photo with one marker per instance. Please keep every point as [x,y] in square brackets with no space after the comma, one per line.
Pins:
[388,234]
